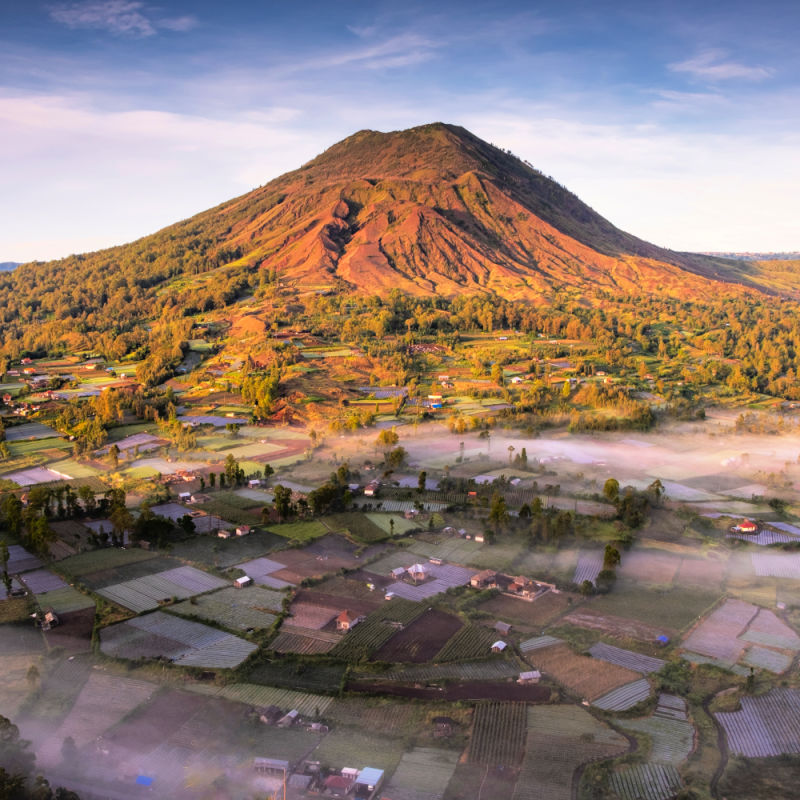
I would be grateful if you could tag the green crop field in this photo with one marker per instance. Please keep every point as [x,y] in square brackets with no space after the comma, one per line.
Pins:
[97,560]
[498,735]
[300,531]
[346,746]
[236,609]
[299,675]
[470,642]
[358,525]
[401,524]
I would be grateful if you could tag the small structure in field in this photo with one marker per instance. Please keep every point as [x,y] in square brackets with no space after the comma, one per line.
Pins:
[368,782]
[243,530]
[223,534]
[503,628]
[244,580]
[499,646]
[289,719]
[338,785]
[485,579]
[347,620]
[269,715]
[398,573]
[530,677]
[184,497]
[271,766]
[418,572]
[745,526]
[372,489]
[254,483]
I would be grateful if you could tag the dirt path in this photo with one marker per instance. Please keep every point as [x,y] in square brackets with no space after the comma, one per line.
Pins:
[722,744]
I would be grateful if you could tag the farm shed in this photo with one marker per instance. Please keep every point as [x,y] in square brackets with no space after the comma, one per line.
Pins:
[418,572]
[271,766]
[185,497]
[502,628]
[224,534]
[368,781]
[347,620]
[300,782]
[745,526]
[532,676]
[289,719]
[244,530]
[245,580]
[499,646]
[398,572]
[254,483]
[338,785]
[371,489]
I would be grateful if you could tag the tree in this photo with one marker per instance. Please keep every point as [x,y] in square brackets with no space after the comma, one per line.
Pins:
[15,754]
[611,557]
[113,454]
[605,580]
[387,437]
[283,501]
[498,513]
[656,490]
[511,450]
[611,489]
[4,562]
[396,458]
[587,588]
[423,477]
[212,479]
[32,675]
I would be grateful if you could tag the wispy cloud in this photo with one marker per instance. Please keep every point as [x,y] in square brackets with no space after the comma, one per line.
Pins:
[120,17]
[712,65]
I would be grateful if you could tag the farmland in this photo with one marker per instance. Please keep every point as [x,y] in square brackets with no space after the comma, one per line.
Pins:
[421,640]
[425,770]
[181,641]
[235,609]
[529,616]
[765,726]
[470,642]
[584,676]
[669,729]
[498,735]
[376,630]
[559,740]
[646,782]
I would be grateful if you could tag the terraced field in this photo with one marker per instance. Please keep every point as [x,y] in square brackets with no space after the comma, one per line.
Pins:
[559,740]
[306,641]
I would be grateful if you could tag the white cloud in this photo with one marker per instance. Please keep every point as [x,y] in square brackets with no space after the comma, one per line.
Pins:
[121,17]
[711,65]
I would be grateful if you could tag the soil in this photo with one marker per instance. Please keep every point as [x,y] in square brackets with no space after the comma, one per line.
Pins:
[621,627]
[420,641]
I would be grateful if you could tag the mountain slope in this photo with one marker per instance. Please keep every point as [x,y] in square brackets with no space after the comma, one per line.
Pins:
[435,210]
[430,211]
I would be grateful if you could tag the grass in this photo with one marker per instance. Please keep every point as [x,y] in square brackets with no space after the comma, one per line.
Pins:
[300,531]
[14,609]
[307,677]
[674,609]
[359,526]
[345,746]
[764,778]
[210,551]
[401,524]
[97,560]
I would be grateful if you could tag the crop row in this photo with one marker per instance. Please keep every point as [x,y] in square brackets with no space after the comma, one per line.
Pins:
[470,642]
[498,736]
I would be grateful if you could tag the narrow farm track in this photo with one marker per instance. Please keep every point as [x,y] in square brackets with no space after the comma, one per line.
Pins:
[722,744]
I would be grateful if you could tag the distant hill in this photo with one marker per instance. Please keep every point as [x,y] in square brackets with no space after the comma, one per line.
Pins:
[793,256]
[7,266]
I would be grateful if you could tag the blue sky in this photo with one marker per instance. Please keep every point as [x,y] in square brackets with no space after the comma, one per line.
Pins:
[119,117]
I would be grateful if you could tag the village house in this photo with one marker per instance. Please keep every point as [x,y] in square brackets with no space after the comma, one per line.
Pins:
[244,530]
[398,573]
[745,526]
[418,572]
[338,785]
[368,782]
[372,488]
[499,646]
[244,580]
[223,534]
[347,620]
[485,579]
[530,677]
